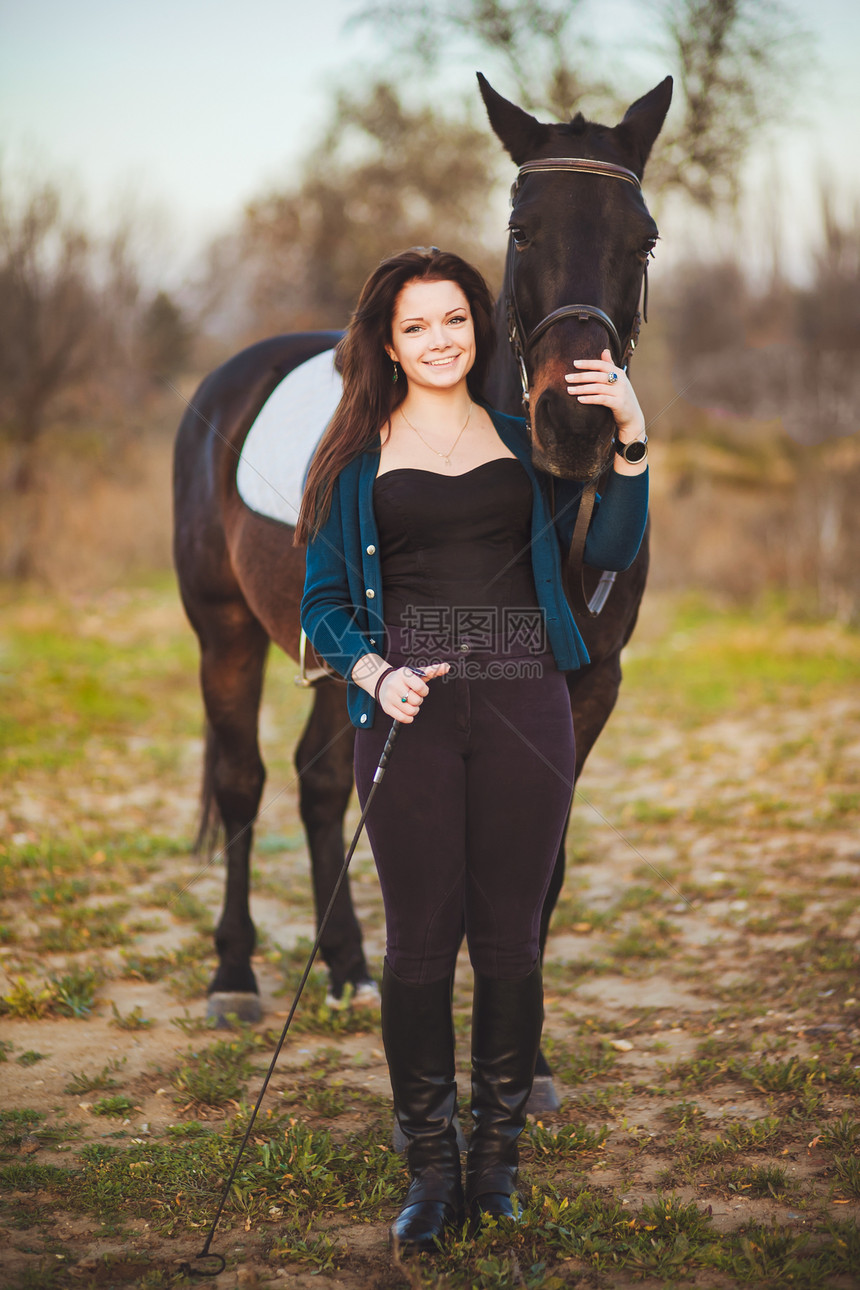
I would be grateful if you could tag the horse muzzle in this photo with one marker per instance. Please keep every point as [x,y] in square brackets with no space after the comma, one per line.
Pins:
[570,440]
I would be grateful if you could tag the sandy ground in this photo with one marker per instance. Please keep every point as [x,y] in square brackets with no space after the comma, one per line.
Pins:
[713,868]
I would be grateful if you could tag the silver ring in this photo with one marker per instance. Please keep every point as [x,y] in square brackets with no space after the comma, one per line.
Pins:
[612,378]
[404,698]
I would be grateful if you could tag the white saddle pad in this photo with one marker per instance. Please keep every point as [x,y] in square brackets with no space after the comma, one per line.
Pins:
[274,460]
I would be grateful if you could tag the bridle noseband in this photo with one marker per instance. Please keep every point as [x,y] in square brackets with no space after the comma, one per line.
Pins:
[522,341]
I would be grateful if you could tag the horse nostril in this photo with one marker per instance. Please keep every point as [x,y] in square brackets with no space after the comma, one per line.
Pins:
[572,440]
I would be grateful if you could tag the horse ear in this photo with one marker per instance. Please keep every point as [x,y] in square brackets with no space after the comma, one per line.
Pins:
[643,121]
[520,133]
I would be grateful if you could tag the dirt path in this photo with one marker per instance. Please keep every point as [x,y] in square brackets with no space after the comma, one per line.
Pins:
[703,1000]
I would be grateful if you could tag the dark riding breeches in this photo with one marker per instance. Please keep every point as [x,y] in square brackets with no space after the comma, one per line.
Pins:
[466,824]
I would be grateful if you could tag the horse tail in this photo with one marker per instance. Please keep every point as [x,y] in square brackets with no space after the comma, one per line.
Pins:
[209,820]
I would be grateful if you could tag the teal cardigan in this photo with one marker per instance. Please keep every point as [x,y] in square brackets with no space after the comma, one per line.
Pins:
[341,607]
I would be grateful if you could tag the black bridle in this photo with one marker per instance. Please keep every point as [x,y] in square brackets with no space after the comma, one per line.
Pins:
[522,341]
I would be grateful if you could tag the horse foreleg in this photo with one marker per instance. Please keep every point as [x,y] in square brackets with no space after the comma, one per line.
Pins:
[232,659]
[593,693]
[324,763]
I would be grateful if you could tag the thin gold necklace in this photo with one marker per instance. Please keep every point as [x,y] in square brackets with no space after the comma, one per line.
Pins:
[446,456]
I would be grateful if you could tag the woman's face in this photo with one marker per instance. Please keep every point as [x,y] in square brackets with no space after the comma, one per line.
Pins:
[432,334]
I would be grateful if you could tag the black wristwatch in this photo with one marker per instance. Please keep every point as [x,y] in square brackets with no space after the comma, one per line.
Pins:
[633,452]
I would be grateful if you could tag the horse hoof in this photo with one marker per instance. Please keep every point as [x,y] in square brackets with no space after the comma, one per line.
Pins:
[543,1099]
[245,1006]
[365,994]
[398,1137]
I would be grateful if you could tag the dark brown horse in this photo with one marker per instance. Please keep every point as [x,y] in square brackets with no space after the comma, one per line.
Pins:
[580,239]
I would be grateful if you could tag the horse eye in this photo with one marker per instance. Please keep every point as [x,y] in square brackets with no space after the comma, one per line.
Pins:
[519,235]
[647,249]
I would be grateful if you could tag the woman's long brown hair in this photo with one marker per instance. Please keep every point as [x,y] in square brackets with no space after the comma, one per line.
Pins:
[369,393]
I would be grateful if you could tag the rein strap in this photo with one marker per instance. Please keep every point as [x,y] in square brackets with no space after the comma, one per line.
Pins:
[581,604]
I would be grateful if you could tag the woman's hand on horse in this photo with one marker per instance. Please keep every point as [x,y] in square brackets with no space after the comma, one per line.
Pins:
[403,691]
[593,383]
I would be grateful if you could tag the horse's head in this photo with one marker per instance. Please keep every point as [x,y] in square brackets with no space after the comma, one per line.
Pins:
[579,245]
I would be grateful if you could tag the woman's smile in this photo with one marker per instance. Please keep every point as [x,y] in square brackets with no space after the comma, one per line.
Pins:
[432,333]
[442,362]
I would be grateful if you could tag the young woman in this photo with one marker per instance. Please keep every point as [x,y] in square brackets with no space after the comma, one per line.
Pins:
[434,585]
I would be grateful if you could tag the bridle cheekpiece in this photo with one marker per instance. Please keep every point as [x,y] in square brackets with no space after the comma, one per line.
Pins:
[522,341]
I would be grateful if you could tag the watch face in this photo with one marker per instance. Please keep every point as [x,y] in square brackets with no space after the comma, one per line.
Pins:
[635,452]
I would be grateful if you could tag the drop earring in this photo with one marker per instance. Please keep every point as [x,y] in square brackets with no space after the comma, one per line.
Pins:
[396,372]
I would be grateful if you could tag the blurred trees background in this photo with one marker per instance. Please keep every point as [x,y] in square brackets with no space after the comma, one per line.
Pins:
[759,456]
[83,345]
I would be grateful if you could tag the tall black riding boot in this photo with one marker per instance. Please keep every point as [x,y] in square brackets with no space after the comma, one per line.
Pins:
[418,1034]
[506,1025]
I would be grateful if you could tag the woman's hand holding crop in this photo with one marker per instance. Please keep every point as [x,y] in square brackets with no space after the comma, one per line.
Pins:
[399,691]
[404,689]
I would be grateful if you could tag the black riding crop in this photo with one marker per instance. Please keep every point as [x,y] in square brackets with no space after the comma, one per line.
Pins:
[204,1253]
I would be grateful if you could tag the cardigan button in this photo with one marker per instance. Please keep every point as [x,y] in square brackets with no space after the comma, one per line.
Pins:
[371,550]
[363,717]
[370,593]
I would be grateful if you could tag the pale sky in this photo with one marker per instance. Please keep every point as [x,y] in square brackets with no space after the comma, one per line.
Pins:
[198,105]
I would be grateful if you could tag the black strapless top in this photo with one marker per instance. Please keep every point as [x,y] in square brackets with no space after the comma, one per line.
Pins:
[460,544]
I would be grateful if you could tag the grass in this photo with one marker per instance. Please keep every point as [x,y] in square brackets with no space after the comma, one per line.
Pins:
[83,1083]
[795,1075]
[30,1057]
[566,1143]
[302,1245]
[847,1172]
[117,1105]
[27,1129]
[683,1114]
[134,1020]
[759,1180]
[740,1088]
[74,994]
[647,939]
[326,1102]
[844,1134]
[26,1001]
[70,995]
[581,1062]
[691,1150]
[184,905]
[15,1124]
[85,927]
[215,1076]
[711,664]
[52,864]
[314,1017]
[73,688]
[184,968]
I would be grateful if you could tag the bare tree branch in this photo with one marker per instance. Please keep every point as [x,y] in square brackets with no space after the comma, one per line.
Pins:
[736,61]
[382,177]
[529,39]
[47,308]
